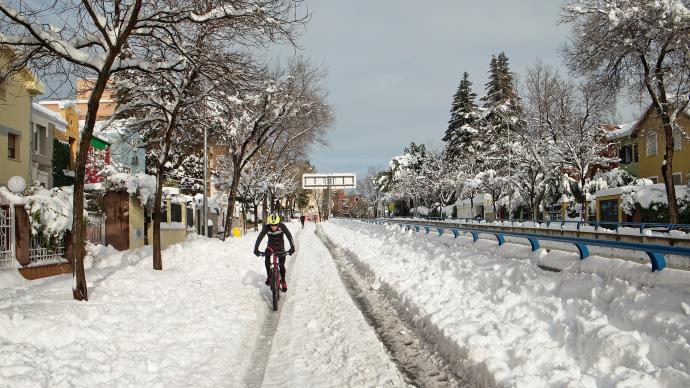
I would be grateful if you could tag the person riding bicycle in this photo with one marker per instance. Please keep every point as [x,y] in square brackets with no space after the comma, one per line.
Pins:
[275,231]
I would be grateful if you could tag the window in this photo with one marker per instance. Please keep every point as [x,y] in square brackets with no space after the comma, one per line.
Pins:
[651,144]
[677,178]
[34,138]
[636,157]
[12,146]
[625,154]
[135,160]
[39,135]
[677,138]
[3,89]
[609,210]
[190,216]
[175,212]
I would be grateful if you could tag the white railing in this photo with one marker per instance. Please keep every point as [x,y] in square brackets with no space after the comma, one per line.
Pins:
[43,255]
[7,258]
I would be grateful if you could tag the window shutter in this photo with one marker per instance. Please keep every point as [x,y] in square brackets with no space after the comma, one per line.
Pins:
[651,144]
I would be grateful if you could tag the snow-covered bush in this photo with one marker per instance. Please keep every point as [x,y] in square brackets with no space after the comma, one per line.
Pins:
[50,211]
[139,184]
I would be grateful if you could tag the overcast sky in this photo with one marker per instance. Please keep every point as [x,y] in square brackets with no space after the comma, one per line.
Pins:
[394,65]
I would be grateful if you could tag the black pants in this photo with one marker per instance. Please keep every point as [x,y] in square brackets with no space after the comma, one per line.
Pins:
[269,264]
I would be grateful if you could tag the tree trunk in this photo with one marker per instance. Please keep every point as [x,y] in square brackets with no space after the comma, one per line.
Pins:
[156,219]
[264,208]
[231,199]
[256,217]
[667,172]
[79,288]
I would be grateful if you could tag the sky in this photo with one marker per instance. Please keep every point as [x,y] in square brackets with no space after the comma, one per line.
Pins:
[394,65]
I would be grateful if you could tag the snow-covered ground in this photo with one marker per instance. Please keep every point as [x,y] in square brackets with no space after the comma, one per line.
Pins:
[206,321]
[528,327]
[197,323]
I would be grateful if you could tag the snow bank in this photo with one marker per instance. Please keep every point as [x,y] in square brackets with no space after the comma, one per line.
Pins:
[585,326]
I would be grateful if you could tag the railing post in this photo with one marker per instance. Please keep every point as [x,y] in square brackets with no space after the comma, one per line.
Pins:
[500,238]
[584,251]
[658,261]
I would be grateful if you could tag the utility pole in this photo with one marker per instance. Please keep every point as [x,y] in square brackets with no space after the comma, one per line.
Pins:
[204,217]
[329,181]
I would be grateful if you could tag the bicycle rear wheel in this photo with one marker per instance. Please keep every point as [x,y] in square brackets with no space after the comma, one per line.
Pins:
[275,288]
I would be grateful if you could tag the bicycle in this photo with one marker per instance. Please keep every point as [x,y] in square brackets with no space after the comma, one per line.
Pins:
[274,278]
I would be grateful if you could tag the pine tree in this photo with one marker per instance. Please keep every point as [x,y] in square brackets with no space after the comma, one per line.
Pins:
[502,111]
[463,116]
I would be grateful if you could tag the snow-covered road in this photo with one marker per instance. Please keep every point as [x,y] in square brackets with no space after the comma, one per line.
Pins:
[206,321]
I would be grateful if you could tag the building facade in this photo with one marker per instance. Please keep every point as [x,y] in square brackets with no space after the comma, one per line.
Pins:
[16,95]
[652,143]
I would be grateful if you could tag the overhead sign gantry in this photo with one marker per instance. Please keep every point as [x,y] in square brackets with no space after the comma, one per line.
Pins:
[329,181]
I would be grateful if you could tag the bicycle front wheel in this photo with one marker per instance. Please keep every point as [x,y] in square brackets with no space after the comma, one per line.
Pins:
[276,290]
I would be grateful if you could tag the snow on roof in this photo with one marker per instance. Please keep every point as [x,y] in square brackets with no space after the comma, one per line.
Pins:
[60,123]
[622,130]
[62,104]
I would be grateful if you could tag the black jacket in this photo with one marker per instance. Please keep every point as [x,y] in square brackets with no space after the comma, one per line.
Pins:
[275,239]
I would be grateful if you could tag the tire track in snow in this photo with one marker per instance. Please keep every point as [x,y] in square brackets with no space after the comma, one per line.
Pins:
[262,350]
[414,355]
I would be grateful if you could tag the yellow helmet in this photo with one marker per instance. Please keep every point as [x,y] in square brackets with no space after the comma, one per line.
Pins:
[273,219]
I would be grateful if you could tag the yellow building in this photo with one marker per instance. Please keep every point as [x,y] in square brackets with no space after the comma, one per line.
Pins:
[176,222]
[106,108]
[651,142]
[16,95]
[70,113]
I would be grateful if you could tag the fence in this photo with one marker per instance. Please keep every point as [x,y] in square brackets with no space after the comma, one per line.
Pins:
[95,230]
[39,253]
[7,238]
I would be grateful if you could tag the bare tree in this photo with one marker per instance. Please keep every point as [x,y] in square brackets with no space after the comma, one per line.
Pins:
[106,37]
[640,45]
[291,107]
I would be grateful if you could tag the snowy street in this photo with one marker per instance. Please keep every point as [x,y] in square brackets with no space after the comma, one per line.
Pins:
[206,320]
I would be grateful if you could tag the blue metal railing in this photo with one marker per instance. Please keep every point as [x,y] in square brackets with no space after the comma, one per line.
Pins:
[655,252]
[660,226]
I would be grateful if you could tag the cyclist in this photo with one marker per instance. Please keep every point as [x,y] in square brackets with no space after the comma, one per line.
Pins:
[275,231]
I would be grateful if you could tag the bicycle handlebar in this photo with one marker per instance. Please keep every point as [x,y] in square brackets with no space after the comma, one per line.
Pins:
[277,253]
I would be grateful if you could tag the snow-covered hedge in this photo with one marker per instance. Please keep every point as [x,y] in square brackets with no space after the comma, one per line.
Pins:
[50,211]
[139,184]
[651,197]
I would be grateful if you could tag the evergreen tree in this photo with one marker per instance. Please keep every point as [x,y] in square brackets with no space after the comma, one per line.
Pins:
[501,112]
[461,132]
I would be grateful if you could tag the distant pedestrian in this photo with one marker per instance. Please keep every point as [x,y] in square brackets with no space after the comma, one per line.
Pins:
[302,218]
